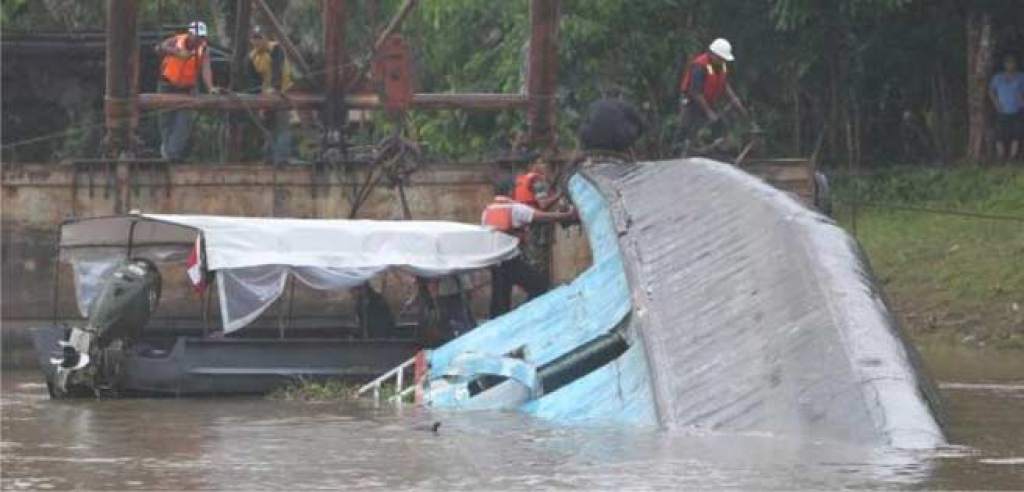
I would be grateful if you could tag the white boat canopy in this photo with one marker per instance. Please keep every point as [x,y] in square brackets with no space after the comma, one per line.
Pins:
[253,257]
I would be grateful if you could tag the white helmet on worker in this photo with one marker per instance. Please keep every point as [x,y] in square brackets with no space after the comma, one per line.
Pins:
[722,48]
[197,28]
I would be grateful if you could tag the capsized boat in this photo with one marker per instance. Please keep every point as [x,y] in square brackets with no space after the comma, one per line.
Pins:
[714,302]
[122,348]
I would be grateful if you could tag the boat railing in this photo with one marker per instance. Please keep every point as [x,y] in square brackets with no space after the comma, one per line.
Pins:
[418,365]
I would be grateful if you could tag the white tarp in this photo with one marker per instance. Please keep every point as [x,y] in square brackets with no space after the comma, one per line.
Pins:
[254,256]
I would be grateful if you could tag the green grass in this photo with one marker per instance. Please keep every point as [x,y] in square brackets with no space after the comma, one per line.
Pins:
[327,390]
[319,390]
[954,277]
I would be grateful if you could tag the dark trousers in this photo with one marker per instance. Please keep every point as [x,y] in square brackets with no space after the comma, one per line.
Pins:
[510,274]
[691,121]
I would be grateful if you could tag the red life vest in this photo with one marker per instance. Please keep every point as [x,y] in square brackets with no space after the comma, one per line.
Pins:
[182,73]
[523,192]
[714,82]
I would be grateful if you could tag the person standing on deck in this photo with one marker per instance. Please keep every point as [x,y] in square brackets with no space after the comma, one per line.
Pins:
[1006,90]
[704,82]
[267,61]
[185,57]
[506,215]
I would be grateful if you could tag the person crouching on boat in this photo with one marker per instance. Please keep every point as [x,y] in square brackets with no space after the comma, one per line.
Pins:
[506,215]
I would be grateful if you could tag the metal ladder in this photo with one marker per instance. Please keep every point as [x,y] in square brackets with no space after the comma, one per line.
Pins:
[398,373]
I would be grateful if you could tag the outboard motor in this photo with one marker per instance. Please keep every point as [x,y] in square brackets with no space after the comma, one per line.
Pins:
[88,359]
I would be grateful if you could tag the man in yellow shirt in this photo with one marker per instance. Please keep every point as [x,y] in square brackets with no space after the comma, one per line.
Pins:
[267,61]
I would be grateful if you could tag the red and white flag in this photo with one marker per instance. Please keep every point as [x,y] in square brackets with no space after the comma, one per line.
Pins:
[196,266]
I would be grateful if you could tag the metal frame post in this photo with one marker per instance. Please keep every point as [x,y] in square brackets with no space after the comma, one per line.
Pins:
[542,72]
[243,16]
[335,111]
[122,77]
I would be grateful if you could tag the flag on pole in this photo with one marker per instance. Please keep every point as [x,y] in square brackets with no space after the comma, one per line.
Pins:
[196,266]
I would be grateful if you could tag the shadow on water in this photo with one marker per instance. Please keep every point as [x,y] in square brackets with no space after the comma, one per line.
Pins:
[260,444]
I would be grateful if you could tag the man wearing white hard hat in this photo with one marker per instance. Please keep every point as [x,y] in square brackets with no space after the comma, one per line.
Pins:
[185,57]
[704,82]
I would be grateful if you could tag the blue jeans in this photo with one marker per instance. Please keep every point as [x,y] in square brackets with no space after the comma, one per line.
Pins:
[175,126]
[279,149]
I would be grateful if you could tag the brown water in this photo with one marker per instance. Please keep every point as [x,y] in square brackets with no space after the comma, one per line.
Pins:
[251,444]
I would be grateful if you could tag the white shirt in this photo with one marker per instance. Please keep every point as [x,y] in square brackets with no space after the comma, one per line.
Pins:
[522,215]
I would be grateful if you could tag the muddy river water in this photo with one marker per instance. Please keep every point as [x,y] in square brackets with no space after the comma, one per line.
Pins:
[253,444]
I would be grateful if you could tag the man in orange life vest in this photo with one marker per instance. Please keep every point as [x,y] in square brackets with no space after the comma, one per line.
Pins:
[533,188]
[185,57]
[704,82]
[511,217]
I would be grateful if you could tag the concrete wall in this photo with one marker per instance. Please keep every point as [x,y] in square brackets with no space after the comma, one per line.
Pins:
[36,198]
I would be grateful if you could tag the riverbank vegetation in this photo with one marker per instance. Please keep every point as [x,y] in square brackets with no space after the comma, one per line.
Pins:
[330,389]
[315,390]
[956,277]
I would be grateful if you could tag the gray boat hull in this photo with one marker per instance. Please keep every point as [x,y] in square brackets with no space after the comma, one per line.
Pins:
[190,365]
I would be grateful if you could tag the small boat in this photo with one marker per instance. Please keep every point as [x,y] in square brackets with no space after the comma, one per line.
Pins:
[125,345]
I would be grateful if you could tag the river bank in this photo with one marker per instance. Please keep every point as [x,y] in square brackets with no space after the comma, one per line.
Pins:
[952,278]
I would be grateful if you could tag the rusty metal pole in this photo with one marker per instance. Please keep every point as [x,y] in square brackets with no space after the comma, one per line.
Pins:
[334,112]
[243,15]
[120,104]
[122,63]
[542,72]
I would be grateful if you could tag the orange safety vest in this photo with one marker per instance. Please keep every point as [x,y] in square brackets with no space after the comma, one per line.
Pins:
[523,192]
[183,73]
[498,215]
[715,82]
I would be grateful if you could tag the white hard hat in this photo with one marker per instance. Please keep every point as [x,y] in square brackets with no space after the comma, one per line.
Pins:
[722,48]
[197,28]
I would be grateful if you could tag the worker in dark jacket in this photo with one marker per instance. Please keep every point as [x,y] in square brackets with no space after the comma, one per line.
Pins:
[704,82]
[268,62]
[511,217]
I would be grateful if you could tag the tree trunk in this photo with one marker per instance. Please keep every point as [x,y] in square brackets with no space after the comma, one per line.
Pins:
[980,48]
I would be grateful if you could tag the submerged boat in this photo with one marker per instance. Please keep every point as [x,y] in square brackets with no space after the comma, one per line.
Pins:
[246,265]
[714,302]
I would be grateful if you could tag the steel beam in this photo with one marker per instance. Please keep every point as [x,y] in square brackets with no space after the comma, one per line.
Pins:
[542,71]
[243,16]
[335,112]
[238,102]
[395,23]
[122,77]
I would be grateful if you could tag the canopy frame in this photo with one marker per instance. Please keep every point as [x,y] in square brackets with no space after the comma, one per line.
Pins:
[259,255]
